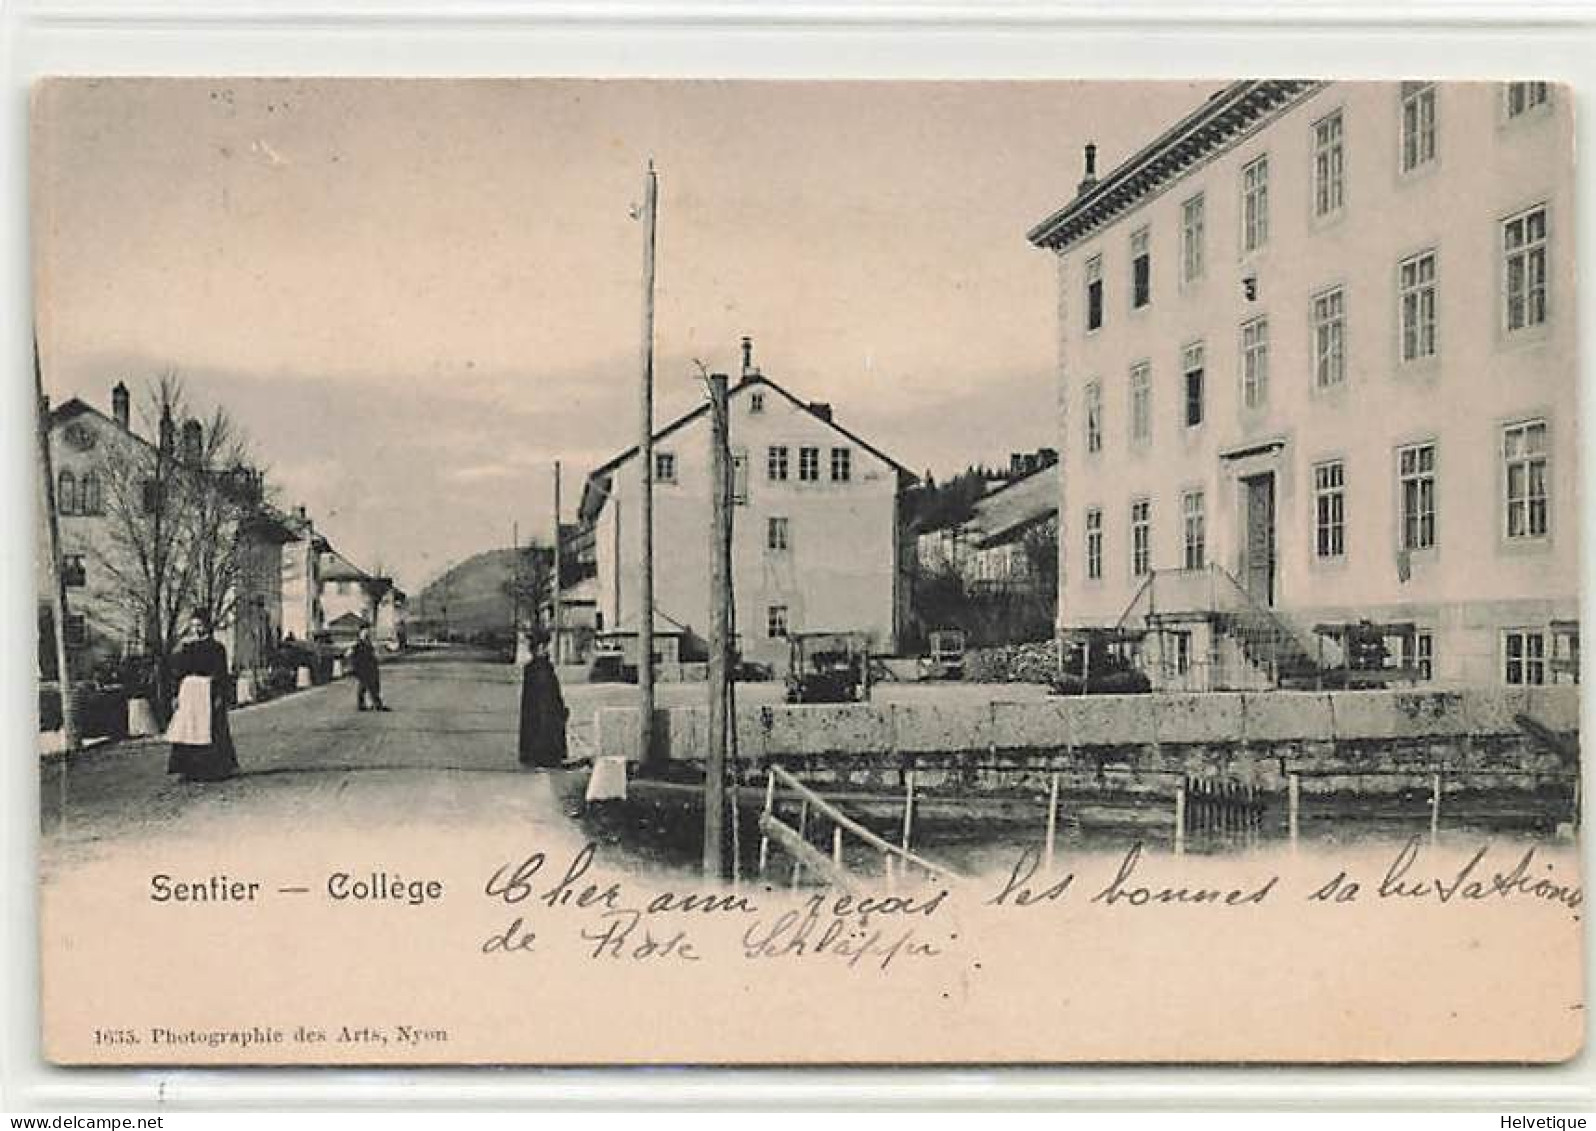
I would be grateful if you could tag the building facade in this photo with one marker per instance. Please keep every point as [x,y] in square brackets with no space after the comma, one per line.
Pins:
[817,537]
[1317,367]
[105,473]
[995,548]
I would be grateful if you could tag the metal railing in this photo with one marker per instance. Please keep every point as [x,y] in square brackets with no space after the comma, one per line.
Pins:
[1268,647]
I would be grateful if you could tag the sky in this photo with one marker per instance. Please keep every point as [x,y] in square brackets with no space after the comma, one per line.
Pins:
[415,296]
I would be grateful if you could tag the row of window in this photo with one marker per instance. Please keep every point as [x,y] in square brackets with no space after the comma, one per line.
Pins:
[778,465]
[1524,251]
[1418,148]
[74,495]
[1526,509]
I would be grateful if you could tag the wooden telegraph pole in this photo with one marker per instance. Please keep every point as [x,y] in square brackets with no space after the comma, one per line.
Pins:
[719,584]
[58,595]
[645,605]
[556,629]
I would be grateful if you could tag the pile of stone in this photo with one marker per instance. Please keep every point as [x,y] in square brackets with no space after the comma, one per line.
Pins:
[1012,663]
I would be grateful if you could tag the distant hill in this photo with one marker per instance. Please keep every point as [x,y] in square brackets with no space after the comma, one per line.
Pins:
[467,599]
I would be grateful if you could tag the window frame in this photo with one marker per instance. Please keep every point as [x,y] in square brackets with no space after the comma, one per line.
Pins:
[1255,205]
[1141,539]
[1199,351]
[665,467]
[1526,250]
[66,492]
[1194,529]
[1528,460]
[1327,310]
[1094,543]
[1255,379]
[1529,109]
[1139,389]
[1419,476]
[1330,511]
[778,463]
[778,534]
[1193,238]
[1524,659]
[809,463]
[845,466]
[1141,268]
[1418,290]
[778,622]
[1330,180]
[1092,272]
[74,571]
[1425,129]
[1093,398]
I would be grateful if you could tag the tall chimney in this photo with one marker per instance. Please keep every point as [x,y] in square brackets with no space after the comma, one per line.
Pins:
[748,357]
[1089,181]
[193,441]
[168,430]
[120,407]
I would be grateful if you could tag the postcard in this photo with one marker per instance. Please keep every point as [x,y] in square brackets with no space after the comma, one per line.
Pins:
[553,572]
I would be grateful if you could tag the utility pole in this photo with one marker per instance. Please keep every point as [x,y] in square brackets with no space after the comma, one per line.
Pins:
[559,618]
[719,581]
[515,592]
[645,608]
[58,595]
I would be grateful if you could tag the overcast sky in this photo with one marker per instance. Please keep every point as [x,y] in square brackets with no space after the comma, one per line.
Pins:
[415,296]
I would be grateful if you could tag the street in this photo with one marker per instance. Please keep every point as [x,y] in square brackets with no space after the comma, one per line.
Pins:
[445,754]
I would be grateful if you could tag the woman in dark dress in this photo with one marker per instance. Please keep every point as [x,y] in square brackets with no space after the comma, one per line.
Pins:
[204,656]
[543,710]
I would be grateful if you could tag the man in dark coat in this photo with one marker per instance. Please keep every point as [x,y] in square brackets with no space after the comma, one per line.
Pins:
[368,679]
[543,710]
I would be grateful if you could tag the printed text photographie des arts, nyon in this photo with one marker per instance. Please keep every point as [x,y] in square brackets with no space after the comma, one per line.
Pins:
[1004,572]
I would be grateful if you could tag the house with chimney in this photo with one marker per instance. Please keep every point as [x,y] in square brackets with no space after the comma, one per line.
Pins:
[1317,372]
[998,546]
[112,485]
[818,531]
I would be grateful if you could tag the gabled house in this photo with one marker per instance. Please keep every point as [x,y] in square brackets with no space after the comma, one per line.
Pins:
[998,546]
[817,532]
[112,486]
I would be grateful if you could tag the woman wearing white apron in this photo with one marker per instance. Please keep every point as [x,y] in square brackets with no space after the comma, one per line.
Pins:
[202,744]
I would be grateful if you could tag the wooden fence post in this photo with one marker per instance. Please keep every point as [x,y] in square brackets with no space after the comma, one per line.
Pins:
[770,808]
[803,831]
[1052,819]
[1180,819]
[908,808]
[1435,807]
[1293,807]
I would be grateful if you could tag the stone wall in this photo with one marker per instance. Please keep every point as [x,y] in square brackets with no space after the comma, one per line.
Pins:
[1344,740]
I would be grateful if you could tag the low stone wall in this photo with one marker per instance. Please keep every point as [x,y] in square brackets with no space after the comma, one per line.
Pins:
[1253,738]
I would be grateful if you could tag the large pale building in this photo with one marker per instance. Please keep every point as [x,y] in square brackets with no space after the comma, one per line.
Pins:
[108,507]
[1316,367]
[817,531]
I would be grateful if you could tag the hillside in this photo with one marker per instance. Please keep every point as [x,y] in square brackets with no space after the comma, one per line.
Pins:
[468,599]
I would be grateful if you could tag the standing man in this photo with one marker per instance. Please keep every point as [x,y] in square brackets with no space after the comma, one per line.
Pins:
[368,680]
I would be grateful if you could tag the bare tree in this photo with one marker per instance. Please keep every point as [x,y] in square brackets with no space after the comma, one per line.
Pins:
[528,586]
[175,508]
[221,494]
